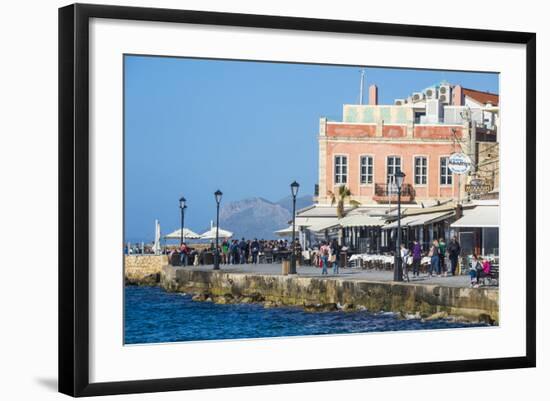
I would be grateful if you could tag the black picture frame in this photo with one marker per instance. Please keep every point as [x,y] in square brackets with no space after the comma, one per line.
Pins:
[74,198]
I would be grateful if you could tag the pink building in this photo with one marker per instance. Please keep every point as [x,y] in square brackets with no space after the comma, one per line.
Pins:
[415,135]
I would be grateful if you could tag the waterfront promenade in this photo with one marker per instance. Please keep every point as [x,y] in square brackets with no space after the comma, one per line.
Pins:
[345,273]
[351,289]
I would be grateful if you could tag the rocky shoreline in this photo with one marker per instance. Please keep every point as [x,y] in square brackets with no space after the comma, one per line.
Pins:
[258,298]
[318,294]
[315,294]
[148,280]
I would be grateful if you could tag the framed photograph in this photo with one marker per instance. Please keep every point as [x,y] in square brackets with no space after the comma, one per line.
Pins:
[251,199]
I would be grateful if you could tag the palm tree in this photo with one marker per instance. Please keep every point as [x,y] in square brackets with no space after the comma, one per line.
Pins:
[340,199]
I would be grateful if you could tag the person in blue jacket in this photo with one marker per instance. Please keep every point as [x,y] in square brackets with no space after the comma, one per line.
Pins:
[435,266]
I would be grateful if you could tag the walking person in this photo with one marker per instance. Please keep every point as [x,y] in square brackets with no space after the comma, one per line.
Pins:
[235,252]
[442,253]
[485,273]
[242,251]
[475,268]
[225,252]
[482,267]
[325,254]
[405,254]
[417,257]
[453,249]
[184,251]
[434,259]
[255,249]
[247,251]
[196,259]
[334,252]
[297,250]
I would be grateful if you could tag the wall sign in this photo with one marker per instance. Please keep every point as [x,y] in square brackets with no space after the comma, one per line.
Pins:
[477,186]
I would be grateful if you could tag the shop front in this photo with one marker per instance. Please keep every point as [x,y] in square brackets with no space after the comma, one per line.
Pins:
[478,230]
[422,227]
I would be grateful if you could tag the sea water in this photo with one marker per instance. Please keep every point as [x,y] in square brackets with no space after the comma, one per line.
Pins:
[155,316]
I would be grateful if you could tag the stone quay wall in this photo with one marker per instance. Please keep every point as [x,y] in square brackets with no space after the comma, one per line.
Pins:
[143,269]
[318,294]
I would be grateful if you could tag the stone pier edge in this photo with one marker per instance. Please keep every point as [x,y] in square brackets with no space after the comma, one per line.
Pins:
[319,294]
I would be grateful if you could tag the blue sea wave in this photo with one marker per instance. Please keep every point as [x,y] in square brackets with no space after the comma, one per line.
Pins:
[155,316]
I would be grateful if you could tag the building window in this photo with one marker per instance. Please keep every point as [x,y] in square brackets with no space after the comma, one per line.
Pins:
[418,116]
[366,170]
[420,170]
[394,166]
[340,169]
[445,174]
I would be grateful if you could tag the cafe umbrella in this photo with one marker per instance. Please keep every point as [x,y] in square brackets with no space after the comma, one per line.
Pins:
[187,234]
[156,245]
[211,234]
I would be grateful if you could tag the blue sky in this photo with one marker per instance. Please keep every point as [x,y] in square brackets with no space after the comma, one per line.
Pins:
[248,128]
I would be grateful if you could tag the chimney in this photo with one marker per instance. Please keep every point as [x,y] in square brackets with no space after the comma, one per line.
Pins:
[373,95]
[457,95]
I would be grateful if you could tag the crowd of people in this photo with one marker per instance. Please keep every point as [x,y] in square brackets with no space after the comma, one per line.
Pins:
[250,251]
[443,260]
[328,255]
[479,269]
[443,257]
[324,255]
[235,252]
[138,249]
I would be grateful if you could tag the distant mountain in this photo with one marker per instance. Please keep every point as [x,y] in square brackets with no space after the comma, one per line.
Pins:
[257,217]
[301,202]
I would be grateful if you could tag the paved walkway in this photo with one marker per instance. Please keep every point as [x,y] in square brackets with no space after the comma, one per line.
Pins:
[347,273]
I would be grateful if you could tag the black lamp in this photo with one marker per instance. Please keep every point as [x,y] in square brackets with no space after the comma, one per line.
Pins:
[294,191]
[397,268]
[218,196]
[182,212]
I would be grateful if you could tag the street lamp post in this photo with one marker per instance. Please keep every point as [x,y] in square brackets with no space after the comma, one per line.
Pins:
[397,268]
[294,190]
[218,195]
[182,211]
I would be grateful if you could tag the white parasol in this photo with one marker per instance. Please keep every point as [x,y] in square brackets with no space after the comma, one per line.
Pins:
[187,234]
[156,245]
[211,234]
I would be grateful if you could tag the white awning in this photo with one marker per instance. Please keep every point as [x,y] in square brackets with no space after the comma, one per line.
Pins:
[361,220]
[326,224]
[308,222]
[479,216]
[305,221]
[285,231]
[421,219]
[404,222]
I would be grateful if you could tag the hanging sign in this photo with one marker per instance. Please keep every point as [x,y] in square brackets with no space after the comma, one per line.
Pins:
[477,186]
[459,163]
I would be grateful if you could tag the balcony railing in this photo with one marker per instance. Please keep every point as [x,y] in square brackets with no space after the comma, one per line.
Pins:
[388,193]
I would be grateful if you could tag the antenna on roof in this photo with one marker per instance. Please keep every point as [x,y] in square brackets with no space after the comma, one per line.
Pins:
[362,85]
